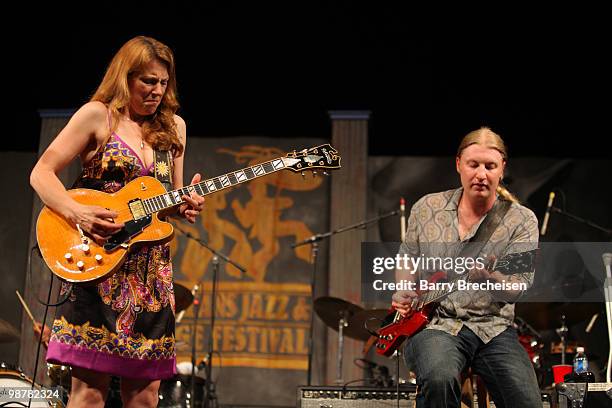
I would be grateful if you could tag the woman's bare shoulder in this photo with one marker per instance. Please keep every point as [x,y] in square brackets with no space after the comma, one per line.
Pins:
[180,122]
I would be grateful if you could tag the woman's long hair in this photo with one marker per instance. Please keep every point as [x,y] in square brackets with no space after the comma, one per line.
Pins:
[159,129]
[486,137]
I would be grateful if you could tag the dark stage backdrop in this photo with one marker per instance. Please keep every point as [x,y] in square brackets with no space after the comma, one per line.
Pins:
[16,208]
[582,188]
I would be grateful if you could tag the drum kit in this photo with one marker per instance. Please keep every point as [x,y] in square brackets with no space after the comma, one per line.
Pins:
[532,319]
[347,319]
[173,392]
[13,378]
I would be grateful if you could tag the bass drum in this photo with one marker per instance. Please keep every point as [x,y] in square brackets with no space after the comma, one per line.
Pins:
[175,392]
[12,377]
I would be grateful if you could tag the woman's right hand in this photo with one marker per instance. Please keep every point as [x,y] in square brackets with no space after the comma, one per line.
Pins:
[403,300]
[95,220]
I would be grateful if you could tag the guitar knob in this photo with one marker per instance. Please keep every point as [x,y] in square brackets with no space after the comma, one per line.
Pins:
[380,346]
[80,265]
[98,258]
[389,337]
[68,256]
[85,248]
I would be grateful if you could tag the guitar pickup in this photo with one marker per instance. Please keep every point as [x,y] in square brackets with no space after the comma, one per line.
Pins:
[137,209]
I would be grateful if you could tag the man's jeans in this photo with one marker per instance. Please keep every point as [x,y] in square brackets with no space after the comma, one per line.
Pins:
[438,358]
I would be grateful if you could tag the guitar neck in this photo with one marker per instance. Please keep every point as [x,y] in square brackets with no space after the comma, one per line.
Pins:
[508,265]
[433,296]
[174,198]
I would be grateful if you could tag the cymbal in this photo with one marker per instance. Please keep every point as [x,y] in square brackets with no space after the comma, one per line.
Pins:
[548,315]
[181,346]
[182,297]
[370,319]
[331,310]
[8,332]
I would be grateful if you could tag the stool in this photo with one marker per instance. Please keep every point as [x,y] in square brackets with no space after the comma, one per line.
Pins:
[470,384]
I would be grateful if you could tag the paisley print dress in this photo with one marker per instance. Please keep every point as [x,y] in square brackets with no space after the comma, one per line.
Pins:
[123,326]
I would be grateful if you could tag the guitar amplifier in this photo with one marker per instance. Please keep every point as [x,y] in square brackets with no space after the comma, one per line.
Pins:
[355,397]
[547,402]
[572,395]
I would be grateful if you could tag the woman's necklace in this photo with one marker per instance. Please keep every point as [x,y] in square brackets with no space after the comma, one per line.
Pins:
[142,144]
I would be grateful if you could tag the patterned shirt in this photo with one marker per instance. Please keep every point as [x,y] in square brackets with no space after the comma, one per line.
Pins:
[433,231]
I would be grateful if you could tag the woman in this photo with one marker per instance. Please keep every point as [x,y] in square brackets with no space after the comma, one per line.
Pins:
[123,326]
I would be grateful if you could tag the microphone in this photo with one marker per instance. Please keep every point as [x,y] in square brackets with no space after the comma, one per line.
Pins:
[402,218]
[551,197]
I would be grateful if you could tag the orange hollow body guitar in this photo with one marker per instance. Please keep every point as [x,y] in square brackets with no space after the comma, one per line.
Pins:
[74,257]
[395,328]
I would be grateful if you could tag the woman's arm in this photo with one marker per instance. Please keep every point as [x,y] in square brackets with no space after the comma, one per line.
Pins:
[80,137]
[193,203]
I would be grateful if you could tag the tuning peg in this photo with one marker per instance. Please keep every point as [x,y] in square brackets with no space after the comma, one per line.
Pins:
[314,173]
[303,174]
[325,173]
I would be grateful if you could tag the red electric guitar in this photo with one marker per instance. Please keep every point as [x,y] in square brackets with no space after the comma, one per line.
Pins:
[395,328]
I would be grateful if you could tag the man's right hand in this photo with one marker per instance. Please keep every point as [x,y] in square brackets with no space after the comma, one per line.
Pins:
[403,301]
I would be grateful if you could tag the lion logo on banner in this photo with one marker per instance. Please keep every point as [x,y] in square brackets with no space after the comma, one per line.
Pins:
[261,216]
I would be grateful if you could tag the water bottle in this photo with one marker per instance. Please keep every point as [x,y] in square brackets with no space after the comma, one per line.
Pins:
[581,363]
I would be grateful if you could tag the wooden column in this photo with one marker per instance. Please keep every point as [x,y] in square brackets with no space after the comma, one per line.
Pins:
[52,121]
[348,206]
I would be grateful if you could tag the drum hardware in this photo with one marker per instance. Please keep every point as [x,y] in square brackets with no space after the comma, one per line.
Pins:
[12,377]
[209,394]
[183,298]
[543,315]
[8,332]
[176,392]
[336,313]
[314,242]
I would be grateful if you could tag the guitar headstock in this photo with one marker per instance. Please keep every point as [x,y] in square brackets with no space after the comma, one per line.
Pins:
[519,262]
[320,157]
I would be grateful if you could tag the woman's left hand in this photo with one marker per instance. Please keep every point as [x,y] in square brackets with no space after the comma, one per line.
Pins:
[194,203]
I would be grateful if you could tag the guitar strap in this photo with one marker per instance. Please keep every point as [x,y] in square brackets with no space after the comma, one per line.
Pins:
[486,229]
[163,167]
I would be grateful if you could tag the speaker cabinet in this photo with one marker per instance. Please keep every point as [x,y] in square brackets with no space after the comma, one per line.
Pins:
[575,395]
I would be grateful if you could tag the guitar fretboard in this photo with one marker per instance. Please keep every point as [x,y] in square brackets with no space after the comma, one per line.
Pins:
[205,187]
[436,295]
[509,264]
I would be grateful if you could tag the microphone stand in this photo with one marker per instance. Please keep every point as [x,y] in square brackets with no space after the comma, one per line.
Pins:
[582,220]
[314,241]
[208,397]
[607,258]
[196,311]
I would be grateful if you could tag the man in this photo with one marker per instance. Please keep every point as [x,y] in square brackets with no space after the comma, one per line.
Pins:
[471,328]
